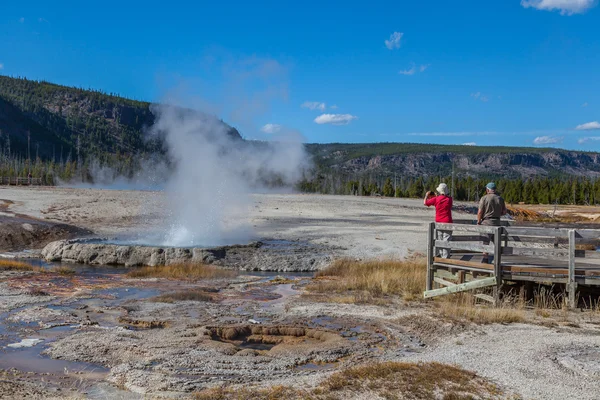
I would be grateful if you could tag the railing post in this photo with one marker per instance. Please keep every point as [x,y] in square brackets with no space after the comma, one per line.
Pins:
[430,254]
[497,263]
[571,284]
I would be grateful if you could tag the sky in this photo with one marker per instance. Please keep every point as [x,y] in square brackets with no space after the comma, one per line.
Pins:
[497,72]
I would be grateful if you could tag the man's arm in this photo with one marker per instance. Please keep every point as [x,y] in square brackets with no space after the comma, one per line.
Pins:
[480,212]
[504,209]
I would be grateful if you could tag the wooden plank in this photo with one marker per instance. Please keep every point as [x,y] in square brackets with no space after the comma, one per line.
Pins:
[587,234]
[497,264]
[533,278]
[460,263]
[461,287]
[444,274]
[572,285]
[465,228]
[443,282]
[485,297]
[461,276]
[587,254]
[536,252]
[536,239]
[430,255]
[533,231]
[477,247]
[467,238]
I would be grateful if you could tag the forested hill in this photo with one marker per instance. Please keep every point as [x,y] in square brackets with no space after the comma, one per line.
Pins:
[57,131]
[431,160]
[61,121]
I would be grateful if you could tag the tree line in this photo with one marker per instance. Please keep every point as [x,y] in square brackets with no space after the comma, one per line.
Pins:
[536,190]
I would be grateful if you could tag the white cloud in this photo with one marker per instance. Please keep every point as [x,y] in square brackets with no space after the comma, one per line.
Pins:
[588,126]
[394,41]
[408,71]
[22,19]
[470,144]
[566,7]
[413,69]
[314,105]
[1,66]
[334,107]
[588,139]
[335,119]
[480,97]
[271,128]
[547,140]
[584,104]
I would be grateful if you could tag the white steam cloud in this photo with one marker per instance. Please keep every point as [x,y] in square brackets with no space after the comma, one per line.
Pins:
[214,174]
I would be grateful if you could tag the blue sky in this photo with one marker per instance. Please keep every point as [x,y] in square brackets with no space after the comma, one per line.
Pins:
[499,72]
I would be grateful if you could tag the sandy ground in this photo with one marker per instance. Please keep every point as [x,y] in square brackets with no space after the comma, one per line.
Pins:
[529,360]
[360,227]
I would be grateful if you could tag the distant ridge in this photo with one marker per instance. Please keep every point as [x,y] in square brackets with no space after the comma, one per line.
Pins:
[68,124]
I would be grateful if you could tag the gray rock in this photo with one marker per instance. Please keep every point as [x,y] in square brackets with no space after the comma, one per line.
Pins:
[255,256]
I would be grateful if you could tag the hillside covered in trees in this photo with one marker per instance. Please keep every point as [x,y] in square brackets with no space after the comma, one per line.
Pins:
[59,133]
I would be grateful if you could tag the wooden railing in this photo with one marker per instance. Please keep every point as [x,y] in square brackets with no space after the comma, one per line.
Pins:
[5,180]
[518,254]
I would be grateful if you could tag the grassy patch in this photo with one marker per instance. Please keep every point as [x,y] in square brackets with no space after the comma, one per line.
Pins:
[184,295]
[184,271]
[10,265]
[61,270]
[388,380]
[463,307]
[372,279]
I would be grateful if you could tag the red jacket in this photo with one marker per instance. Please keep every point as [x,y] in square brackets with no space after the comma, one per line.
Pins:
[443,208]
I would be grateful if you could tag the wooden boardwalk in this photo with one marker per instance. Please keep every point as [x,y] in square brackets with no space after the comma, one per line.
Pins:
[554,256]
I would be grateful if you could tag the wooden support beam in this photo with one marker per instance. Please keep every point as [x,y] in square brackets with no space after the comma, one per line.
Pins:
[443,281]
[485,297]
[497,264]
[460,263]
[430,255]
[461,287]
[572,285]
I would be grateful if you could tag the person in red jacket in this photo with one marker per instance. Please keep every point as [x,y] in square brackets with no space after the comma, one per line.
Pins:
[443,213]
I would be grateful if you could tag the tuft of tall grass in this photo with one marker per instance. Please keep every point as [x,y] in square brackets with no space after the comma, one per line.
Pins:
[183,295]
[182,271]
[373,278]
[9,265]
[464,307]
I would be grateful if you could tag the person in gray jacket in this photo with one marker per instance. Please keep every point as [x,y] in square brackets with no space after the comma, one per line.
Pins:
[491,208]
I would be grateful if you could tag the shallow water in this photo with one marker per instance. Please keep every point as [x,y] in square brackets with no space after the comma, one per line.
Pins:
[30,360]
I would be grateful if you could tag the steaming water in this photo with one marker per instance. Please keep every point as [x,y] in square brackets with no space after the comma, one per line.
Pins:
[214,174]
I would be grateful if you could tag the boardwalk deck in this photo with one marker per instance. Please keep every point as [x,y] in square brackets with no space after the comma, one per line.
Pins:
[555,256]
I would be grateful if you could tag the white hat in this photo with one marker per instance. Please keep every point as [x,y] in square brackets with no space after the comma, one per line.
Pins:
[442,189]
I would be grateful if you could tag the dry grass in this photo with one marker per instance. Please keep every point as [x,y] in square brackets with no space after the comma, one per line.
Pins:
[9,265]
[464,307]
[372,279]
[184,295]
[60,270]
[388,380]
[184,271]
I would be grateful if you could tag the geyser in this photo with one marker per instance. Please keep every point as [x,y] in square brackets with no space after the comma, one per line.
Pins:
[213,174]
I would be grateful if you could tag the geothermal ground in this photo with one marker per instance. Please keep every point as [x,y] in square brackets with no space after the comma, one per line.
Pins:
[81,331]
